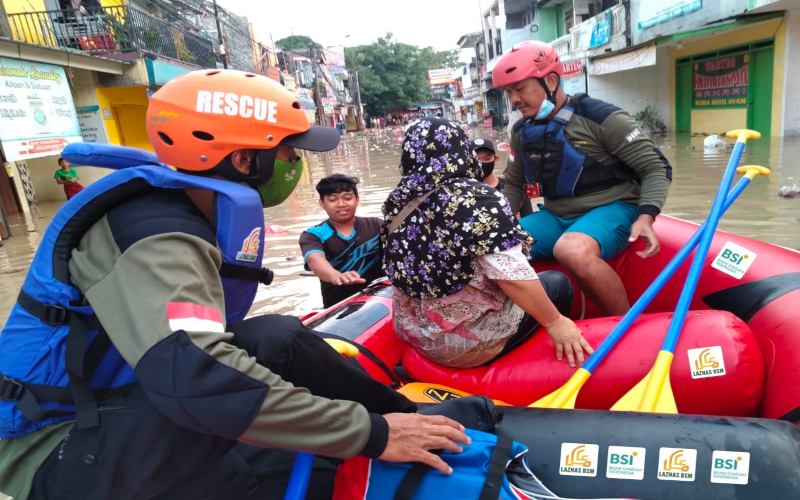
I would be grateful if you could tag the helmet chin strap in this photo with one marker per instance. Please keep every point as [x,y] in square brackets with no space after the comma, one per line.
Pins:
[551,96]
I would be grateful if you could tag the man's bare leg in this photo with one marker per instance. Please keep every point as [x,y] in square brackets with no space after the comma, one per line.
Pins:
[580,255]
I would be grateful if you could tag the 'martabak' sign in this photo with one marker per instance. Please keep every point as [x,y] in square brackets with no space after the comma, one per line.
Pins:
[721,82]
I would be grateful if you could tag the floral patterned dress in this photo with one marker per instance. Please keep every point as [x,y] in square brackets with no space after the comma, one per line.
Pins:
[469,327]
[443,256]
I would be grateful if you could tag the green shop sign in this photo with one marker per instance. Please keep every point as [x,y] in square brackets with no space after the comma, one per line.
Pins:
[720,82]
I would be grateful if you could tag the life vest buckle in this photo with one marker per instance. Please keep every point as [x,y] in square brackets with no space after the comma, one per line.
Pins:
[55,315]
[10,389]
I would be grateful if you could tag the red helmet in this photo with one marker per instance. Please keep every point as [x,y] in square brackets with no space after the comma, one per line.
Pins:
[528,59]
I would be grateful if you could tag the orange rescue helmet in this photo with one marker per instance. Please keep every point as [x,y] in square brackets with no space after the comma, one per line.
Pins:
[197,119]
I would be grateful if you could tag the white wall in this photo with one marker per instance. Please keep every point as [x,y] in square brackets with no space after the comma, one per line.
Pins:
[791,94]
[83,86]
[635,89]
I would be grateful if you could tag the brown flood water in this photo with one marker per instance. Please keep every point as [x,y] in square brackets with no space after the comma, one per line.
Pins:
[373,156]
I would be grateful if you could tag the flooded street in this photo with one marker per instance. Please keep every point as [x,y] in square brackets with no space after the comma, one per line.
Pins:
[373,156]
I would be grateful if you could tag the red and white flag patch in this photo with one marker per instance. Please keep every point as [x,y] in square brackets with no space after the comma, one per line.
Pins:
[194,318]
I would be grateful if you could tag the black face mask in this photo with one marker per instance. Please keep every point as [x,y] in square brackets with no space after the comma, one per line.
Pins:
[487,168]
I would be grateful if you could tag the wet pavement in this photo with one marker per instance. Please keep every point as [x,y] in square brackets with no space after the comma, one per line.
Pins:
[373,156]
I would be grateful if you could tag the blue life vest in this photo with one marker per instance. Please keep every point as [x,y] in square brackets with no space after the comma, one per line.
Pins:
[55,360]
[561,170]
[489,468]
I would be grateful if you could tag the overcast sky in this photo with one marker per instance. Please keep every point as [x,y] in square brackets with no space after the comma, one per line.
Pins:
[435,23]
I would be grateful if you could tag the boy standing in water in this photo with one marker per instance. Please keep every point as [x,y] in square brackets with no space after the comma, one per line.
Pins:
[68,177]
[344,252]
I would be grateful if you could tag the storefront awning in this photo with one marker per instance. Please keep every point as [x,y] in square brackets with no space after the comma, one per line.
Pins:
[631,59]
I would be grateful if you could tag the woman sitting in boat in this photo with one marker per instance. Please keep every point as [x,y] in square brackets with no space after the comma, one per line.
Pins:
[455,255]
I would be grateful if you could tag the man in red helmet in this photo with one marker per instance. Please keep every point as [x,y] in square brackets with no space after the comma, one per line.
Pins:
[127,367]
[603,180]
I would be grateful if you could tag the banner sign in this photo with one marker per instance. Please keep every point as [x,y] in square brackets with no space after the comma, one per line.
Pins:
[440,76]
[656,12]
[721,82]
[572,69]
[37,114]
[633,59]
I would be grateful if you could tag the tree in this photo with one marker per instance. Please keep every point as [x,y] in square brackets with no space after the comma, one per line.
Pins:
[394,75]
[297,42]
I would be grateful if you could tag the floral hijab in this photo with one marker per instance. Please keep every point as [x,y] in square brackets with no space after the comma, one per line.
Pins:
[431,253]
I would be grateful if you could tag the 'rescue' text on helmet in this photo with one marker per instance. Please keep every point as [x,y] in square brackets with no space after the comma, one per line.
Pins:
[228,103]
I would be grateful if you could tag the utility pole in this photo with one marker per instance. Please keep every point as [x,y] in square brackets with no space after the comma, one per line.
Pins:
[360,114]
[220,39]
[315,68]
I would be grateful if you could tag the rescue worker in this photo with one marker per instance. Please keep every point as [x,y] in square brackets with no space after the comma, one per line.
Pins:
[126,368]
[603,180]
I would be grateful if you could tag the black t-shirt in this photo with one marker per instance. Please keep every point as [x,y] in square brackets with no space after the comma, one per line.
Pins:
[360,252]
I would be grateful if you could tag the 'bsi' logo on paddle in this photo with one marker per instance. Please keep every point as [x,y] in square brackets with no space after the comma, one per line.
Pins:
[706,362]
[578,459]
[677,464]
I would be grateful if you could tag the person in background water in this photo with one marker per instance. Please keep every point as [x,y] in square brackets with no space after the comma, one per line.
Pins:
[344,252]
[603,180]
[456,258]
[68,177]
[484,149]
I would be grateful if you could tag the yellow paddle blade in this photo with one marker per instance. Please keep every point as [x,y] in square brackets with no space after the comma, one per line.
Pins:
[653,393]
[753,171]
[343,347]
[424,392]
[743,134]
[564,396]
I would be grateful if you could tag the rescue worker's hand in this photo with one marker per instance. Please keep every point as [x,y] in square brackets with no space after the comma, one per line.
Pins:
[411,435]
[348,278]
[643,228]
[568,338]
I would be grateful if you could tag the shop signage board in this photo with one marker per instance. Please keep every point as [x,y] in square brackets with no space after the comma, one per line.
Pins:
[37,113]
[721,82]
[574,79]
[91,123]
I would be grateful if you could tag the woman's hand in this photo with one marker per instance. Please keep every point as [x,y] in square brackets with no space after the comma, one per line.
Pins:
[568,338]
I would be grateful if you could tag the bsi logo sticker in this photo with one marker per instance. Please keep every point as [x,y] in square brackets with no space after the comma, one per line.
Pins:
[730,467]
[578,459]
[677,464]
[733,260]
[625,462]
[706,362]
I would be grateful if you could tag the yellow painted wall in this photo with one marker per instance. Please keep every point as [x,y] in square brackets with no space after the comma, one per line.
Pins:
[37,28]
[773,28]
[17,6]
[717,121]
[123,109]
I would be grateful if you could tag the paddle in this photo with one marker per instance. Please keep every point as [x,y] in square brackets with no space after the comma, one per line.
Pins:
[565,396]
[304,461]
[654,393]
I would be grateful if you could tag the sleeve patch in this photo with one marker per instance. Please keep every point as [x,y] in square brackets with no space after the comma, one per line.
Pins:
[194,318]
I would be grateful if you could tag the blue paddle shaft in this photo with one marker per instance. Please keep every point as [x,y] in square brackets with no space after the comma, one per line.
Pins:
[655,287]
[689,287]
[301,473]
